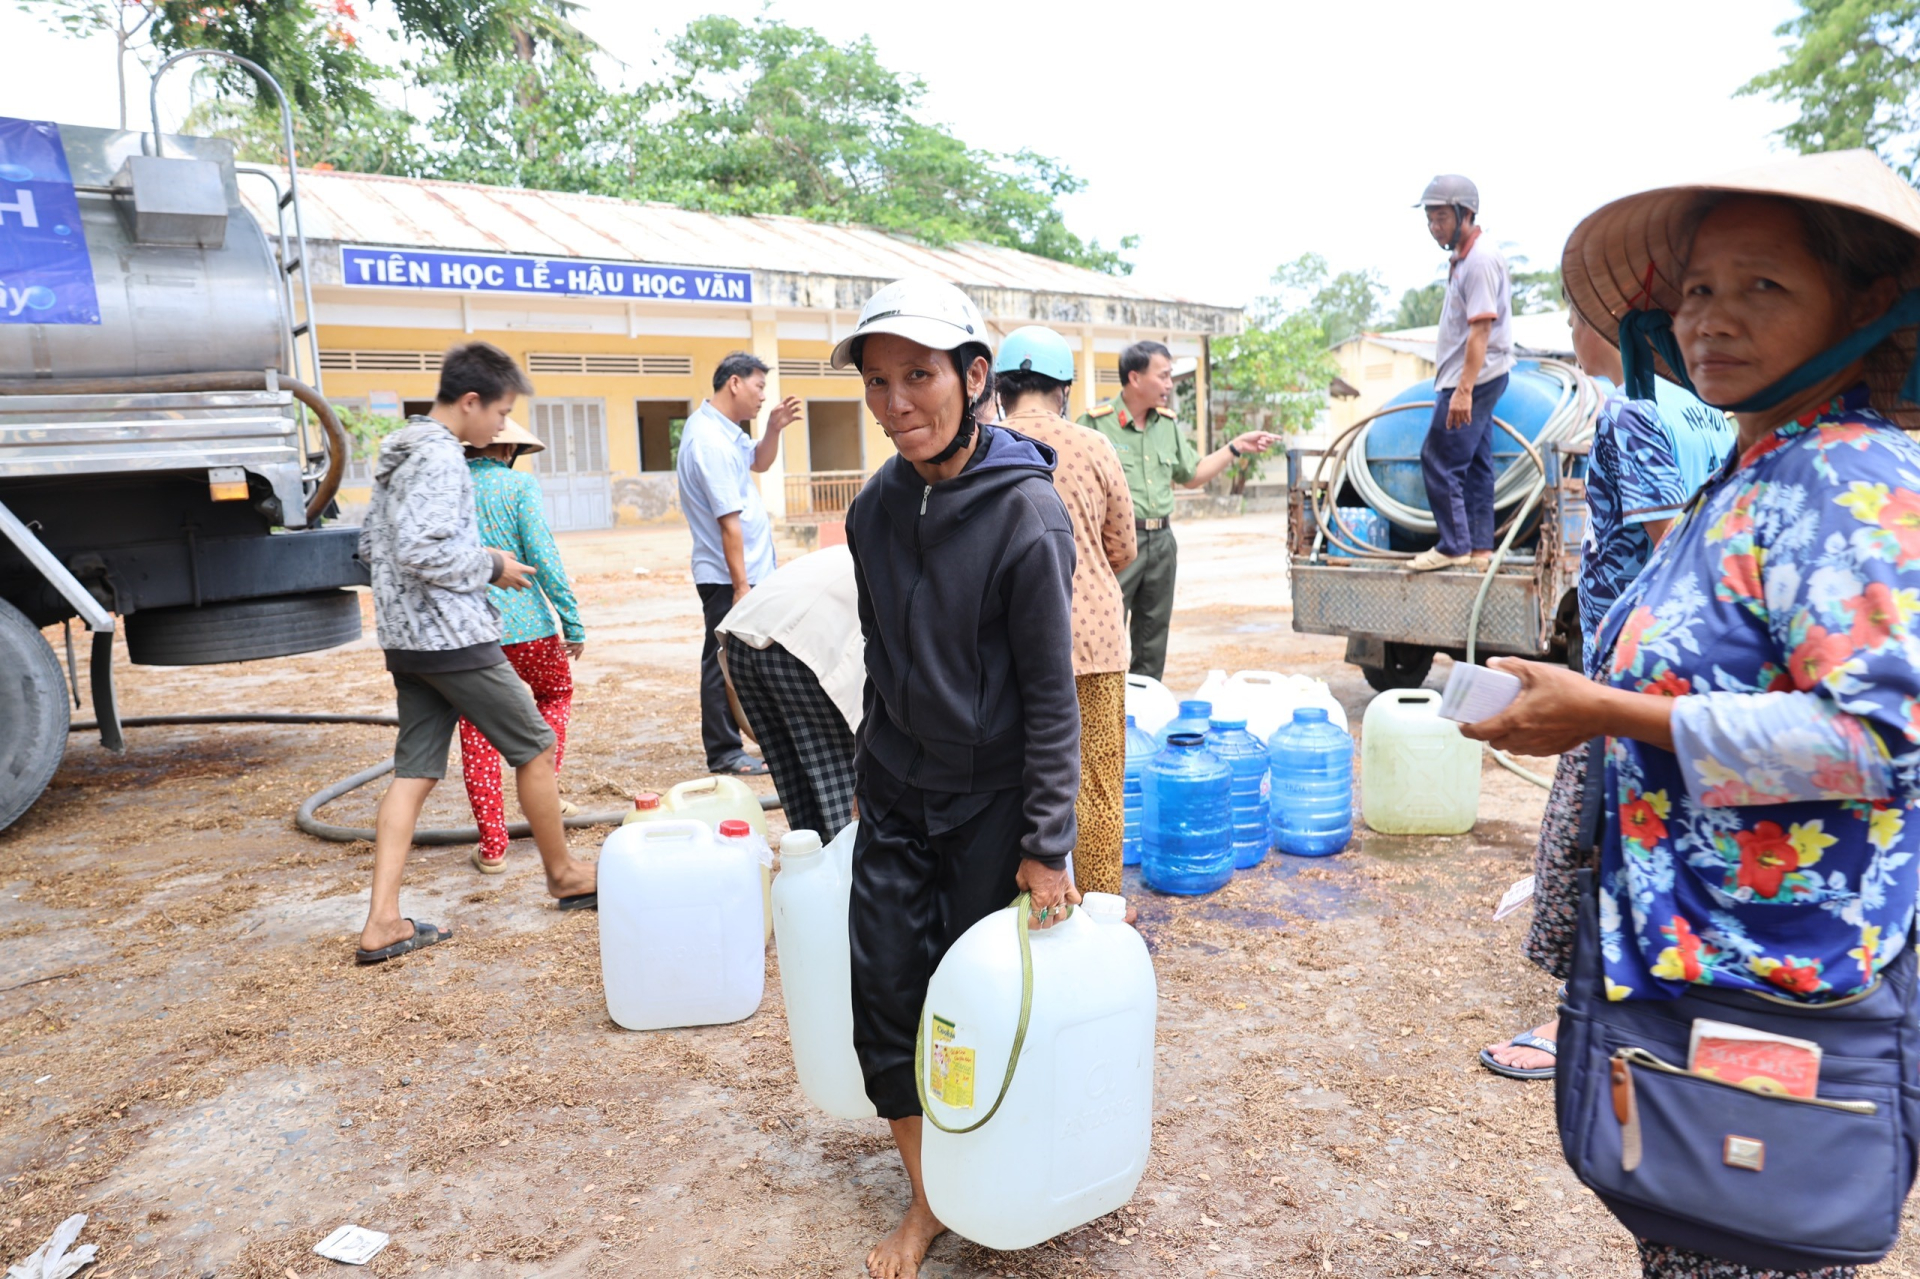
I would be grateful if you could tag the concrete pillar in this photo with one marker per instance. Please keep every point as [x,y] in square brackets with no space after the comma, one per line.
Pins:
[766,345]
[1089,376]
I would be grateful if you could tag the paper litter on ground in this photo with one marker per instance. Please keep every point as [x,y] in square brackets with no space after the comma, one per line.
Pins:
[51,1260]
[354,1245]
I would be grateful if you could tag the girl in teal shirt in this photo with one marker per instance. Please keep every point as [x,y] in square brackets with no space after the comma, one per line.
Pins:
[513,518]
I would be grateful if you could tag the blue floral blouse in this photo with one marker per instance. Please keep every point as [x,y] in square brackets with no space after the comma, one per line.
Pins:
[513,518]
[1773,849]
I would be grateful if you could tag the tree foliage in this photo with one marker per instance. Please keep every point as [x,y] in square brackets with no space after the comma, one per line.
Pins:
[1420,307]
[1852,70]
[1273,375]
[744,116]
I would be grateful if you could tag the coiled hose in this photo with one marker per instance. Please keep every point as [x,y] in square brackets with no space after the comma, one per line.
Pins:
[1571,423]
[305,818]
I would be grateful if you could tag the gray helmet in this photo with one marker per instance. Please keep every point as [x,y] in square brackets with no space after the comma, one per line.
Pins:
[1451,188]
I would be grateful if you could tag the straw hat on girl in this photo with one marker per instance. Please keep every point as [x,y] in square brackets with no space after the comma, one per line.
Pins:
[1622,268]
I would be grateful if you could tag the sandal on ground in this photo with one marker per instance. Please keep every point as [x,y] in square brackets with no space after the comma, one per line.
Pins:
[569,809]
[1525,1039]
[579,901]
[488,865]
[424,935]
[743,765]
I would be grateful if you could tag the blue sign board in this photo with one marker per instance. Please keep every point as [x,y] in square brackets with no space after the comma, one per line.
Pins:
[46,276]
[366,268]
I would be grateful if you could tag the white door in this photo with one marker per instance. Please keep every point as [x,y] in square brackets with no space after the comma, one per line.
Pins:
[573,468]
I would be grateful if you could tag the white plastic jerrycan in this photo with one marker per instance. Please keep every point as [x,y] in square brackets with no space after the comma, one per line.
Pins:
[680,939]
[1150,702]
[717,799]
[1418,776]
[816,978]
[1066,1141]
[1268,699]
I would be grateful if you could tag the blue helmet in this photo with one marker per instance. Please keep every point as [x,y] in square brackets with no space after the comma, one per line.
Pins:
[1035,349]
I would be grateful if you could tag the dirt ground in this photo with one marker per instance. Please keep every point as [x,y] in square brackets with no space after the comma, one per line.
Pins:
[188,1054]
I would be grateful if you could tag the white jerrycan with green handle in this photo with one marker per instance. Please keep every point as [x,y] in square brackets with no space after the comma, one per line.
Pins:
[1035,1069]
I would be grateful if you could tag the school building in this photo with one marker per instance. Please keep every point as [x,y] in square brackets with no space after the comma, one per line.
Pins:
[620,310]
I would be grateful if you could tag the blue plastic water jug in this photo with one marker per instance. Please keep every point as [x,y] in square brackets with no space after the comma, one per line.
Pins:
[1140,749]
[1194,717]
[1311,800]
[1188,823]
[1246,756]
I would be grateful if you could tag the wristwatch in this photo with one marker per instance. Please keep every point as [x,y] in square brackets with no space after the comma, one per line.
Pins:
[1232,448]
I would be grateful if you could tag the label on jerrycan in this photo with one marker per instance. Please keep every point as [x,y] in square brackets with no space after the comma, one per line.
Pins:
[949,1068]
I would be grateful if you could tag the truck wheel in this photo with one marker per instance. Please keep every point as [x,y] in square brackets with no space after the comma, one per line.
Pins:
[1407,666]
[33,714]
[243,630]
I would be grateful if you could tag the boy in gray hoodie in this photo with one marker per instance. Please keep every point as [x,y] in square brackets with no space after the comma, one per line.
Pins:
[421,545]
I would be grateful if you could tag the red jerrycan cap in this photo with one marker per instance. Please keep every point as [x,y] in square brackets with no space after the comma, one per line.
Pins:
[734,828]
[646,799]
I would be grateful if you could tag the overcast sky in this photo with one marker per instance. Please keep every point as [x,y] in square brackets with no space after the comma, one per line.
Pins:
[1232,137]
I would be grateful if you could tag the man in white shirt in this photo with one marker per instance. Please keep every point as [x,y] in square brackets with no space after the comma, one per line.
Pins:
[732,537]
[796,659]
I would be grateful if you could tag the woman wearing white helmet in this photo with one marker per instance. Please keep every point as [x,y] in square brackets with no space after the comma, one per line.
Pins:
[969,753]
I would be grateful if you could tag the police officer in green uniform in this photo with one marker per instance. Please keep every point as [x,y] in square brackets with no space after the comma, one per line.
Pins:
[1155,454]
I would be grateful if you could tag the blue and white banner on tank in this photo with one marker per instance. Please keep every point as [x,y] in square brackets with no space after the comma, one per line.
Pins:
[46,276]
[372,268]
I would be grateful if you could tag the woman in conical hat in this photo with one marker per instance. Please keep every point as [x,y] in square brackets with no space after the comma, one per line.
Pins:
[1760,681]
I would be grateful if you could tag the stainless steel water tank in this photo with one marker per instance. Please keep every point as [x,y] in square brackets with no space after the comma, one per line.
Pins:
[164,307]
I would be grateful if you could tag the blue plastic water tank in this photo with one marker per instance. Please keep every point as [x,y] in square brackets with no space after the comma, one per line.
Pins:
[1246,756]
[1140,749]
[1312,787]
[1188,821]
[1393,442]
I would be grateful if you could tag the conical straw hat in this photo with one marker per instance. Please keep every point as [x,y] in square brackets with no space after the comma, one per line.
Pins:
[514,433]
[1629,254]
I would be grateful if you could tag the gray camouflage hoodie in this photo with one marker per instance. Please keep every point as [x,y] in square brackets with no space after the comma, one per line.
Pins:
[421,545]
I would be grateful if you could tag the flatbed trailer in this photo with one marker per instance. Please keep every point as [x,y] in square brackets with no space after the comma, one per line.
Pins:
[1395,621]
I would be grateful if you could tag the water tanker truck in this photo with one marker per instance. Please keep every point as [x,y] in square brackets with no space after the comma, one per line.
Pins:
[1358,510]
[164,467]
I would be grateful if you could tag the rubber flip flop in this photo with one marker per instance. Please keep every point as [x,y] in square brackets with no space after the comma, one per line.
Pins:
[488,865]
[424,935]
[1525,1039]
[579,901]
[744,766]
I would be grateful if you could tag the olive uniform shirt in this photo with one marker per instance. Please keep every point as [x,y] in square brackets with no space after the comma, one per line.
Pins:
[1154,456]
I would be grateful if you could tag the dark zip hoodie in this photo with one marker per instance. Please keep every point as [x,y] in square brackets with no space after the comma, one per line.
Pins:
[966,602]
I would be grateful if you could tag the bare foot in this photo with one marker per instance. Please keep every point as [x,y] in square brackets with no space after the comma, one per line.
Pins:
[899,1255]
[1527,1058]
[575,878]
[377,935]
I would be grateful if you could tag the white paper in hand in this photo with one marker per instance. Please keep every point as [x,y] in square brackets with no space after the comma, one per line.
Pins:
[1474,693]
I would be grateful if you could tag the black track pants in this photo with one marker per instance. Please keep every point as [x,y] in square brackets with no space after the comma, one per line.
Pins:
[927,866]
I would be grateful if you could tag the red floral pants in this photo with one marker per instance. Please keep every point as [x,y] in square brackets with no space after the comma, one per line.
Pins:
[542,663]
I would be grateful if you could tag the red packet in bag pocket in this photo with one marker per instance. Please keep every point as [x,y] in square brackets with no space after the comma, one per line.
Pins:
[1755,1059]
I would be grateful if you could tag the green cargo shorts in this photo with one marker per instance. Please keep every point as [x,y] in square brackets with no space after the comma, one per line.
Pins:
[493,698]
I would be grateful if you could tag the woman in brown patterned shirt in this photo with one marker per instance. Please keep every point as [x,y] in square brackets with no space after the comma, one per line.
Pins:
[1034,373]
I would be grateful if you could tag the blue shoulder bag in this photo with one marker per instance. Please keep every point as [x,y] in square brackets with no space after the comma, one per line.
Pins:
[1766,1180]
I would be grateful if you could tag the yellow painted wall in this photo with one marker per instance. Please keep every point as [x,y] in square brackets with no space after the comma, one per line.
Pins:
[1378,373]
[619,392]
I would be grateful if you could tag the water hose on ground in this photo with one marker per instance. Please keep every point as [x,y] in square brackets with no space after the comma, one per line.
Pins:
[306,819]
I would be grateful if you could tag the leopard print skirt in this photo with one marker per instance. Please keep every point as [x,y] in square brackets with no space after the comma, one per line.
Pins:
[1100,808]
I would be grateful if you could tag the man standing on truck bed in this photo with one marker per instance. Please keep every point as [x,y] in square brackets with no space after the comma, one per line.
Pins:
[1473,356]
[1155,454]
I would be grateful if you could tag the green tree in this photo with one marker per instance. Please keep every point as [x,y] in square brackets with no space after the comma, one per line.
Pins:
[1420,307]
[1852,70]
[1343,304]
[1273,375]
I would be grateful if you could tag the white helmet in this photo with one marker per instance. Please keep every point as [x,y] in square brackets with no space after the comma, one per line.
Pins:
[921,309]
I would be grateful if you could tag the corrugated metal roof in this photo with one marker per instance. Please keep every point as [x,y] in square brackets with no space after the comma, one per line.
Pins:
[1541,331]
[361,208]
